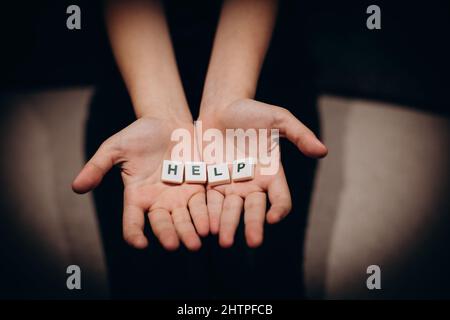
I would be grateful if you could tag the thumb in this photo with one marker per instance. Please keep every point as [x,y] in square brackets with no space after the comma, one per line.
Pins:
[299,134]
[93,172]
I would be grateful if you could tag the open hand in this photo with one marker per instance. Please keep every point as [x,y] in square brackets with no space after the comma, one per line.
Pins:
[139,150]
[225,202]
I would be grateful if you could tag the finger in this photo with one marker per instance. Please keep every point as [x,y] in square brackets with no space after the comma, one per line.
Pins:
[94,170]
[214,204]
[229,219]
[133,226]
[185,228]
[162,226]
[279,197]
[296,132]
[199,213]
[255,211]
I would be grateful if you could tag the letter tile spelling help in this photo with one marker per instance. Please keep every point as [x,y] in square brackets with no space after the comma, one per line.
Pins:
[172,171]
[195,172]
[198,172]
[243,169]
[218,174]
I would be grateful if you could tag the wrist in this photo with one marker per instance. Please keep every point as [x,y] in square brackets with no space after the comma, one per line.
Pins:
[174,113]
[214,104]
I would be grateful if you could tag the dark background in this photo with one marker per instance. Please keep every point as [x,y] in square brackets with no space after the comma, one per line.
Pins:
[406,62]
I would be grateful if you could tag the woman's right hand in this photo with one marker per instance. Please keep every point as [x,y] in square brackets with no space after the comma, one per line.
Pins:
[175,212]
